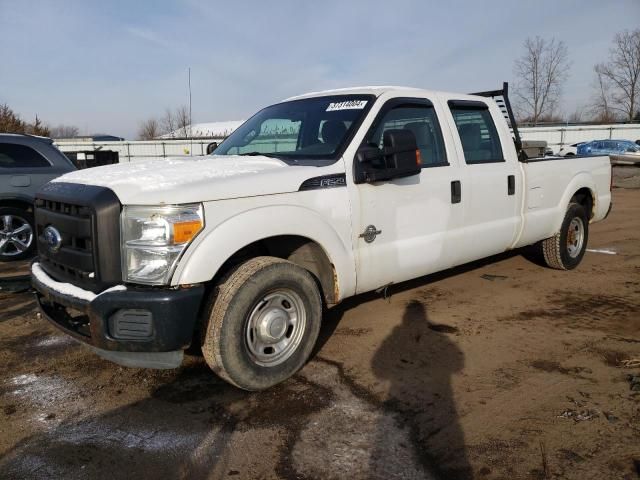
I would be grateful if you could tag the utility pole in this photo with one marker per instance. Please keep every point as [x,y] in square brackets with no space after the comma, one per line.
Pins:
[190,120]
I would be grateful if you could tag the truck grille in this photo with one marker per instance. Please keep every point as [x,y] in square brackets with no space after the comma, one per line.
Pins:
[74,259]
[84,220]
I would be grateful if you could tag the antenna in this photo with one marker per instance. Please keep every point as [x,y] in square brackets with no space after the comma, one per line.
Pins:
[190,121]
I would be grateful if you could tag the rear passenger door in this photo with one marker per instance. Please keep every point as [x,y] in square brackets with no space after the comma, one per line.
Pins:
[490,189]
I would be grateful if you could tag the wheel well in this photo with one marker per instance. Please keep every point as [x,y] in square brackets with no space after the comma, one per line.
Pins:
[299,250]
[12,203]
[584,197]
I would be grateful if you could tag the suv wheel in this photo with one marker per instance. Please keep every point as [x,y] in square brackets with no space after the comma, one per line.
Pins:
[263,323]
[16,234]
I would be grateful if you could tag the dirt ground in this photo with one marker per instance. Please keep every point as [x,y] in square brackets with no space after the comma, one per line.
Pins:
[498,370]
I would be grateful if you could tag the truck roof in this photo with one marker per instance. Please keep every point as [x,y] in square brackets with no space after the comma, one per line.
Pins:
[376,90]
[500,97]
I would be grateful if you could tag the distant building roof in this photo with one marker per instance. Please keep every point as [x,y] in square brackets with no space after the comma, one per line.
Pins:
[207,130]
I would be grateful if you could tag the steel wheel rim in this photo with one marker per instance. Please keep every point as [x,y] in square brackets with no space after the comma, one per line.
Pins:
[575,237]
[16,235]
[275,327]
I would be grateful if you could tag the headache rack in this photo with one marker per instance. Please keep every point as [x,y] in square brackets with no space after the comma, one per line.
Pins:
[501,97]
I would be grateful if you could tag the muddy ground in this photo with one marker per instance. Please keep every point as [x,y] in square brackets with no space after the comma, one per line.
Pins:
[499,370]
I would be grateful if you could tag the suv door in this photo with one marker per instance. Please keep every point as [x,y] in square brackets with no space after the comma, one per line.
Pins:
[403,225]
[28,163]
[491,190]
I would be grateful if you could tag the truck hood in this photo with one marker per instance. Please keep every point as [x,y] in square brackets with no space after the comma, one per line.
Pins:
[196,179]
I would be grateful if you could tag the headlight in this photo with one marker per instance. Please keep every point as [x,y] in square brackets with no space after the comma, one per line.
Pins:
[153,238]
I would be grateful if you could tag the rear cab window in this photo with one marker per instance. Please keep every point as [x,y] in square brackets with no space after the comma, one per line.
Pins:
[14,155]
[477,130]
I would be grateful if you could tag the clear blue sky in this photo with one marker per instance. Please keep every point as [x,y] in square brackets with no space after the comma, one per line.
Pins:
[106,65]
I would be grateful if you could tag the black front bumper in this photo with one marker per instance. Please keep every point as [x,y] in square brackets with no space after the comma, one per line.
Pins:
[173,315]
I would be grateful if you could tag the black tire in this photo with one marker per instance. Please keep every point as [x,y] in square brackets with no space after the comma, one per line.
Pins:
[9,251]
[226,330]
[556,250]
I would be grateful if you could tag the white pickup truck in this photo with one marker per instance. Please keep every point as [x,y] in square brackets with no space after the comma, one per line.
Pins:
[312,200]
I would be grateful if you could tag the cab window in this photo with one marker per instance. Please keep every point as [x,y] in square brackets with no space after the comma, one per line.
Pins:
[422,122]
[478,134]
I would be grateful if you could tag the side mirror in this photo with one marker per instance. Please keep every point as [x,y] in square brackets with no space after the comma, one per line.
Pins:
[401,152]
[399,157]
[369,154]
[211,147]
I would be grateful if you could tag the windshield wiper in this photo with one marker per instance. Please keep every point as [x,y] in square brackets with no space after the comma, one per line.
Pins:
[255,154]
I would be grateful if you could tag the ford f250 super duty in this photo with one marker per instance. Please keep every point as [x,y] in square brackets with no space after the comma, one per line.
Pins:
[310,201]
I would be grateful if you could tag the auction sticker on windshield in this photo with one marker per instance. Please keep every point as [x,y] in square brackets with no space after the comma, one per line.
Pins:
[347,105]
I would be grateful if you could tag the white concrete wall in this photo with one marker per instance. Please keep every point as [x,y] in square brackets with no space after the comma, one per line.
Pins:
[131,151]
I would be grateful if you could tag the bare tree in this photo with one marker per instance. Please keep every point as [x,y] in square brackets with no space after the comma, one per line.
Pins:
[600,108]
[576,116]
[622,72]
[149,129]
[541,73]
[175,123]
[64,131]
[168,123]
[183,122]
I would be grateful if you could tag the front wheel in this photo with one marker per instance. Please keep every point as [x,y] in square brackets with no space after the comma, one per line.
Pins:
[564,251]
[262,324]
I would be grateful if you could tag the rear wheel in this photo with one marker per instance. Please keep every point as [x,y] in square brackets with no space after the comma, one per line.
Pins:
[564,251]
[262,324]
[16,234]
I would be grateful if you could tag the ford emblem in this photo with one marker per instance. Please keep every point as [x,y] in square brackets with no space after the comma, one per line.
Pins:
[53,238]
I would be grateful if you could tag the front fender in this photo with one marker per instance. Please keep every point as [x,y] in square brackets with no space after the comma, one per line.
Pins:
[17,197]
[210,250]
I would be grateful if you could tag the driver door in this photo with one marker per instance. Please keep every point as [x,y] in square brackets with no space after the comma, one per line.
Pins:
[403,225]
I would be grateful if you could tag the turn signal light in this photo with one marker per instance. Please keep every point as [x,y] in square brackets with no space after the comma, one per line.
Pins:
[418,158]
[185,231]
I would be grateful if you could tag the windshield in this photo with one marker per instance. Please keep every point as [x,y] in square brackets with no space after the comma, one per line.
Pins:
[315,129]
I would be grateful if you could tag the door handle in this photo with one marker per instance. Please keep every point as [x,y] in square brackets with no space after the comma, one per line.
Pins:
[511,185]
[456,191]
[20,181]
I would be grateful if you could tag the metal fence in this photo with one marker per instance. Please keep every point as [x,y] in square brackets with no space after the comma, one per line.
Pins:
[131,151]
[555,136]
